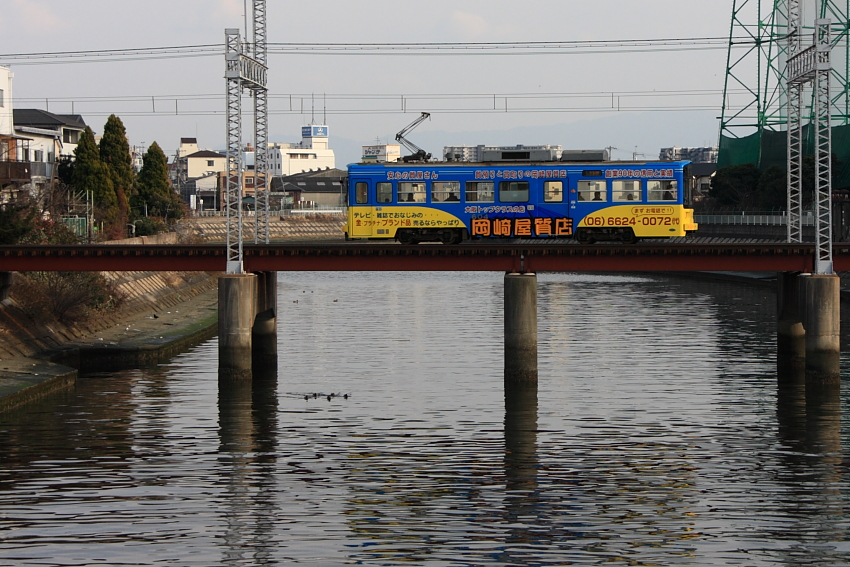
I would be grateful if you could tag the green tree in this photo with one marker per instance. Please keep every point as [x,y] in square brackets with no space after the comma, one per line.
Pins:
[23,223]
[65,170]
[16,222]
[115,154]
[154,188]
[772,189]
[736,186]
[91,175]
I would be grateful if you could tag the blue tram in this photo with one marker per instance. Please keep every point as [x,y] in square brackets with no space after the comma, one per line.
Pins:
[454,201]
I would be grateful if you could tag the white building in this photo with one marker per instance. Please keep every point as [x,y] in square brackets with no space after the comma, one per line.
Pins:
[6,122]
[48,136]
[696,155]
[187,146]
[312,153]
[192,164]
[476,153]
[12,174]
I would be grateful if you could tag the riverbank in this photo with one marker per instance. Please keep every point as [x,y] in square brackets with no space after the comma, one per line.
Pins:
[163,313]
[160,322]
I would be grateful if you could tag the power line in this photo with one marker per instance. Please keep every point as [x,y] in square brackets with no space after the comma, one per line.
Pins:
[388,96]
[354,104]
[381,103]
[431,48]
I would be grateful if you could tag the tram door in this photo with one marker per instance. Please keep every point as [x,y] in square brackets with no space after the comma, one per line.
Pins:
[362,214]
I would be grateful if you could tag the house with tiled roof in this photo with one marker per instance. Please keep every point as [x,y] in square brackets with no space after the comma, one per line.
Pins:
[51,135]
[319,187]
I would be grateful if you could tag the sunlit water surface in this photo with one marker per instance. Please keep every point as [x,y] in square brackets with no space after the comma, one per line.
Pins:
[657,436]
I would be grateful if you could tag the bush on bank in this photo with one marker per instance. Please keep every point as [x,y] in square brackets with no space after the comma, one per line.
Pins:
[68,297]
[64,296]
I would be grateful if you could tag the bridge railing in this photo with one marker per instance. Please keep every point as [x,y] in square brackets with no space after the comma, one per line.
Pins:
[314,210]
[750,219]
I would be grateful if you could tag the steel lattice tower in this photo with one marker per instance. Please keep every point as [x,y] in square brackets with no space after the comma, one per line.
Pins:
[786,58]
[261,138]
[244,72]
[233,192]
[794,166]
[754,92]
[810,65]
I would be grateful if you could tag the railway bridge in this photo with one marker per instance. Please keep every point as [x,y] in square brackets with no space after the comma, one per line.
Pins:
[808,306]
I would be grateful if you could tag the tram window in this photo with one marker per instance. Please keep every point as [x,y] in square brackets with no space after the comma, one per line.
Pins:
[592,191]
[513,191]
[385,192]
[553,191]
[445,191]
[411,192]
[361,192]
[663,190]
[479,191]
[626,190]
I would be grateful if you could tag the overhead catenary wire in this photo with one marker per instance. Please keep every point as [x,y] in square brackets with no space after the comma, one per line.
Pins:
[373,103]
[385,103]
[431,48]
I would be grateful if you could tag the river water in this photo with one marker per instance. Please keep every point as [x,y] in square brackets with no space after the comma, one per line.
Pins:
[657,436]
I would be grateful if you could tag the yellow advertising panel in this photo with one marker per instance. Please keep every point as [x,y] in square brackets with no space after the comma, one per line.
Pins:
[383,222]
[646,221]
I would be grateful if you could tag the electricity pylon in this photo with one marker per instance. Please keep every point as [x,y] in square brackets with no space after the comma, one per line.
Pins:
[755,97]
[243,71]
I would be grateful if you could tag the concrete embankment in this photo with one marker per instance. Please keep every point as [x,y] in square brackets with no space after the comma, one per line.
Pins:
[316,227]
[162,314]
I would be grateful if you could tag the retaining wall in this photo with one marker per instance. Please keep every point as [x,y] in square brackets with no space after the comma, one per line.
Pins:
[143,292]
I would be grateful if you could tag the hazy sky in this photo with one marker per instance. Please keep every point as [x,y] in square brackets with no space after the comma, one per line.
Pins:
[636,101]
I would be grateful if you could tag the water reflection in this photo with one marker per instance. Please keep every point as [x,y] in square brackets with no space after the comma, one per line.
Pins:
[247,431]
[661,432]
[524,513]
[791,401]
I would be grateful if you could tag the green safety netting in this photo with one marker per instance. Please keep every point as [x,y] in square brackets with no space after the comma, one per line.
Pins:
[767,148]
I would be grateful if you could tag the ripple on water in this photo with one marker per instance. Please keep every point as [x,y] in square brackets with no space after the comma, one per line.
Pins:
[656,436]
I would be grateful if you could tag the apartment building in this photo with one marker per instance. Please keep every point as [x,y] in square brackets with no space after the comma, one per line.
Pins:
[313,152]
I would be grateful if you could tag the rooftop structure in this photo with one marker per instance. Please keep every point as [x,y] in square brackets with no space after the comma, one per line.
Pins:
[313,152]
[481,152]
[696,155]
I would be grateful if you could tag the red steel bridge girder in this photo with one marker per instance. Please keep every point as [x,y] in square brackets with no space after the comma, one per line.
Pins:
[649,257]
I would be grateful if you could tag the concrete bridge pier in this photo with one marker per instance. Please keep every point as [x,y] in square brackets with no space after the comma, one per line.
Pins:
[820,302]
[520,328]
[236,314]
[264,330]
